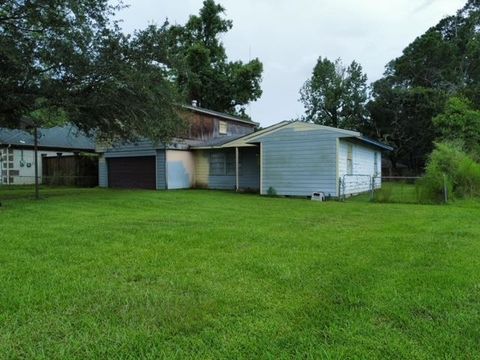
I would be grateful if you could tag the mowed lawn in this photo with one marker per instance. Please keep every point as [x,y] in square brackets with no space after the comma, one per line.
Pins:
[211,275]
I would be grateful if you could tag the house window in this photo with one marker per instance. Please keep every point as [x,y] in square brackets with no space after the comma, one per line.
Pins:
[223,163]
[350,160]
[222,128]
[217,164]
[375,164]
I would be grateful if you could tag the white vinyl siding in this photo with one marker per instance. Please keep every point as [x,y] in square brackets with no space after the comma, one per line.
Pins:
[366,163]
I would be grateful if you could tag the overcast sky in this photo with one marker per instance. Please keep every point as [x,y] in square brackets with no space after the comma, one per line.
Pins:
[288,36]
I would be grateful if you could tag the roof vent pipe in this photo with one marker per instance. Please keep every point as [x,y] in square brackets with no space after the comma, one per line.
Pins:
[194,103]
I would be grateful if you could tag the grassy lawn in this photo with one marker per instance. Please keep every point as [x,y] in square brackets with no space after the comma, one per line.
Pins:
[400,193]
[199,274]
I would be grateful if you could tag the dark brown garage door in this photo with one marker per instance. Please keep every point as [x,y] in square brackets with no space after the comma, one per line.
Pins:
[132,172]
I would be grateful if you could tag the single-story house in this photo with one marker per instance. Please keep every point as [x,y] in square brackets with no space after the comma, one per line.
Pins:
[226,152]
[18,157]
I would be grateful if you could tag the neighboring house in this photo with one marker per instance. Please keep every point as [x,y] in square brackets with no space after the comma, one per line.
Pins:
[17,154]
[225,152]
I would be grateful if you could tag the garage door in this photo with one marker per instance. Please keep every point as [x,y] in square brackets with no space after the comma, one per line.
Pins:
[132,172]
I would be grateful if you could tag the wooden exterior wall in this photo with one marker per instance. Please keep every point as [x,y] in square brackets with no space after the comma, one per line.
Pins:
[206,127]
[72,170]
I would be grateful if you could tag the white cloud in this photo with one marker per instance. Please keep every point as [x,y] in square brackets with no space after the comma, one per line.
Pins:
[288,36]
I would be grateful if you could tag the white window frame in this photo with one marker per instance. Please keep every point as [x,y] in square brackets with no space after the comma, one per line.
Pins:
[349,159]
[222,127]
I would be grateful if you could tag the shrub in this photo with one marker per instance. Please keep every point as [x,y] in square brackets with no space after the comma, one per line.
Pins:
[271,191]
[449,165]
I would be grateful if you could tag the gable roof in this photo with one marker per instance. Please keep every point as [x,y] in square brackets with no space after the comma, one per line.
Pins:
[253,138]
[247,139]
[57,138]
[219,115]
[303,126]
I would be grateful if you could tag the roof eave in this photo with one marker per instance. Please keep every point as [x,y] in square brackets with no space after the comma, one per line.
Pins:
[48,148]
[373,143]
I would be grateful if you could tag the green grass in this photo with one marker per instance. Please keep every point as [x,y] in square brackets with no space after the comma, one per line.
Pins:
[397,193]
[210,275]
[391,192]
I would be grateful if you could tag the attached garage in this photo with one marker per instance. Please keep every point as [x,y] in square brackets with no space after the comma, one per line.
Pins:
[132,172]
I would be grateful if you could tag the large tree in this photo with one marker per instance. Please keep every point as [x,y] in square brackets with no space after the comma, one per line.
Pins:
[403,119]
[198,62]
[460,122]
[335,95]
[439,64]
[66,60]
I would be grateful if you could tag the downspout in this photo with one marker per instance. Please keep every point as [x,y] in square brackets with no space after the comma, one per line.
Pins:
[261,169]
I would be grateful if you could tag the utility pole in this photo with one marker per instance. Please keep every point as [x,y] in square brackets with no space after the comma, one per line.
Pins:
[35,150]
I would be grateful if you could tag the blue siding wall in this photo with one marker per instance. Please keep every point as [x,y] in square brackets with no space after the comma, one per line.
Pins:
[140,145]
[102,172]
[298,162]
[221,182]
[161,170]
[128,151]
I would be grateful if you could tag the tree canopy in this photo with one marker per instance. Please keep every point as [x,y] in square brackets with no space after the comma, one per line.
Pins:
[335,95]
[65,60]
[402,118]
[439,64]
[460,123]
[198,62]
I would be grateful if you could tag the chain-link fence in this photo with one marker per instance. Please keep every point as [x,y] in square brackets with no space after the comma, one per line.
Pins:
[387,189]
[22,187]
[57,180]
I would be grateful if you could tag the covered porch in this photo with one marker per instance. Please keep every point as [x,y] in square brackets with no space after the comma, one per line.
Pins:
[228,168]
